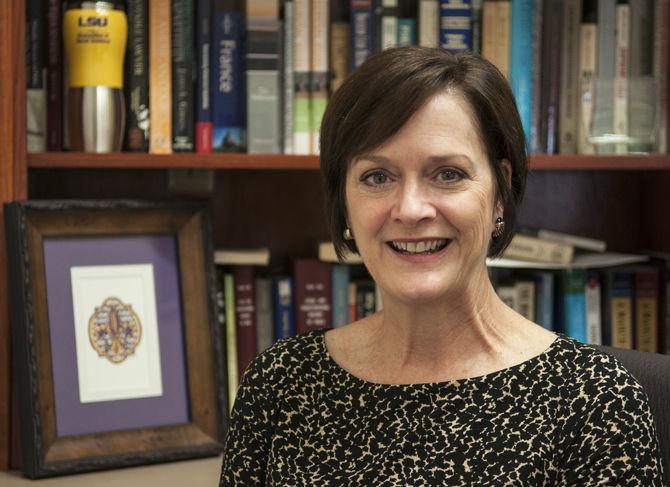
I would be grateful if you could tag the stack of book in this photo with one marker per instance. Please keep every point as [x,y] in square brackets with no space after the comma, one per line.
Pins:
[588,76]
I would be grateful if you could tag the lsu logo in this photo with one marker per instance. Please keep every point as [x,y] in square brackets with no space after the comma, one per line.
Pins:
[92,21]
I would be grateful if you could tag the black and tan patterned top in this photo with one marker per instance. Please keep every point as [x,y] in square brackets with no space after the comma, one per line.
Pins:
[572,416]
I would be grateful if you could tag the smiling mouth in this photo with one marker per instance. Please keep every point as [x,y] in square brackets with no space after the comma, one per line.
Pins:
[424,247]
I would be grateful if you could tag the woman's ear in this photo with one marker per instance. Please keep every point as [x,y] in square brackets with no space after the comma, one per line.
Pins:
[506,169]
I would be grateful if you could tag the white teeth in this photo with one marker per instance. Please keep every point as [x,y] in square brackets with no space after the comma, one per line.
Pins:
[419,247]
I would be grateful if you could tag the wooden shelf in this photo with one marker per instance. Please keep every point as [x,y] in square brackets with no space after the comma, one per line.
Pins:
[135,160]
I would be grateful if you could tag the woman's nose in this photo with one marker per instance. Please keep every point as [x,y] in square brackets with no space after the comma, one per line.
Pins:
[414,204]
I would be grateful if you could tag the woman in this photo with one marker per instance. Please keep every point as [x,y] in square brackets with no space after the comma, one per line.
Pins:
[424,164]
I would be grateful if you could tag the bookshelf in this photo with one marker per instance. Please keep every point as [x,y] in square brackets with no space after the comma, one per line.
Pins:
[275,200]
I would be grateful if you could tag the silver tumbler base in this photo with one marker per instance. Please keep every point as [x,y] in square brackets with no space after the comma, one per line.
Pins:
[96,119]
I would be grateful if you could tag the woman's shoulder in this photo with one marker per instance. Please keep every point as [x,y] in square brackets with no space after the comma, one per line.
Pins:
[289,357]
[592,372]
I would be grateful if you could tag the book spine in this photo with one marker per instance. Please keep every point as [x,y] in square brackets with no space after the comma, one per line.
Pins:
[388,24]
[288,78]
[365,299]
[228,90]
[319,14]
[550,75]
[574,302]
[429,23]
[620,304]
[406,32]
[221,323]
[361,31]
[302,134]
[532,249]
[36,95]
[245,316]
[496,34]
[183,96]
[588,48]
[137,78]
[456,25]
[340,33]
[263,91]
[521,61]
[592,293]
[264,314]
[476,26]
[525,298]
[661,69]
[569,75]
[646,311]
[284,317]
[54,76]
[203,46]
[353,292]
[621,67]
[603,122]
[545,300]
[231,339]
[536,103]
[160,77]
[642,94]
[340,295]
[313,295]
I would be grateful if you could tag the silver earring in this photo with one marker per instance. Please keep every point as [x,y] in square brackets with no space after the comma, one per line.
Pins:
[499,228]
[347,234]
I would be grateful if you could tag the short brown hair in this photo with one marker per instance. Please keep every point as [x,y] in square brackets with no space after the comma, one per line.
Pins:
[387,89]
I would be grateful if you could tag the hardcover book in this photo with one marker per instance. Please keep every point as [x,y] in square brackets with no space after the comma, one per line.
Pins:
[361,31]
[183,60]
[54,76]
[521,60]
[228,87]
[456,25]
[302,106]
[160,77]
[429,23]
[245,316]
[569,72]
[137,78]
[574,304]
[284,316]
[646,310]
[36,95]
[318,68]
[313,295]
[496,33]
[203,49]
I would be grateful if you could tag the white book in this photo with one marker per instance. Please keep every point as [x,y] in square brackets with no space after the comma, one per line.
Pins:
[302,135]
[429,22]
[588,38]
[593,311]
[287,71]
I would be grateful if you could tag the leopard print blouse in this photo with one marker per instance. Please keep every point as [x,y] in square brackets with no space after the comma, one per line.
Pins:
[571,416]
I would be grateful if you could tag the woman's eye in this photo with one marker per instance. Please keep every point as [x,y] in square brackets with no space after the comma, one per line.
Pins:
[376,178]
[449,176]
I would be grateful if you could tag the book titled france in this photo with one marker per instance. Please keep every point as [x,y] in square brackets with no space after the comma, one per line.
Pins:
[228,91]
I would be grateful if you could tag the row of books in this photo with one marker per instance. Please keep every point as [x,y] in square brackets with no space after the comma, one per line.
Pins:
[596,300]
[624,306]
[589,76]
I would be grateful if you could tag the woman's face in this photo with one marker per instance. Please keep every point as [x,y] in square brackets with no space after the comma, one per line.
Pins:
[422,206]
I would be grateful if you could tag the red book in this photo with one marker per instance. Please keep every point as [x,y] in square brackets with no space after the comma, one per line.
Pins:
[245,316]
[203,137]
[313,295]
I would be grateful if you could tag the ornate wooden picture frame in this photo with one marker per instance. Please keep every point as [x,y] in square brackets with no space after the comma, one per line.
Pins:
[115,342]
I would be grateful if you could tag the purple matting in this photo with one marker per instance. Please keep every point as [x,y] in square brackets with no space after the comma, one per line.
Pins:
[73,417]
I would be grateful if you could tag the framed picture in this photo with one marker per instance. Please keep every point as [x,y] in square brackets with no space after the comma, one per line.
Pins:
[116,349]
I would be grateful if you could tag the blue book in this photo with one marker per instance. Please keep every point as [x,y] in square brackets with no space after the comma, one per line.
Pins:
[544,299]
[456,25]
[203,42]
[340,276]
[284,318]
[406,32]
[228,87]
[574,304]
[361,31]
[521,60]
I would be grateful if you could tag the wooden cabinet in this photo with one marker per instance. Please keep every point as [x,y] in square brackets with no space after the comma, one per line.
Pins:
[276,201]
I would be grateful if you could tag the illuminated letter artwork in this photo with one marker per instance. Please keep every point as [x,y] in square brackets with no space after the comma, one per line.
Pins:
[114,330]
